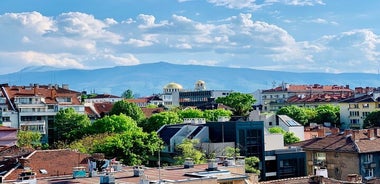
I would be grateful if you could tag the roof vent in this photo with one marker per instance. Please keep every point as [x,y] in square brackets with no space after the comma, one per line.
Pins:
[229,162]
[212,165]
[189,163]
[138,171]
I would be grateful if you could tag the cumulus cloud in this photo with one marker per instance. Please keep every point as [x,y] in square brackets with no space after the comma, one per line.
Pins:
[254,5]
[80,40]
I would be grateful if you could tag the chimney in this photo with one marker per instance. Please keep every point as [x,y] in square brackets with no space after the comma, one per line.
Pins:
[347,132]
[65,86]
[35,87]
[321,131]
[355,135]
[371,134]
[335,131]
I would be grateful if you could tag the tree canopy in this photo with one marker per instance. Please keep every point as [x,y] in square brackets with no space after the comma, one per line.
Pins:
[156,121]
[241,103]
[213,115]
[190,113]
[131,147]
[289,137]
[119,136]
[319,115]
[299,114]
[113,124]
[28,139]
[129,109]
[127,94]
[70,125]
[327,113]
[187,150]
[372,120]
[251,165]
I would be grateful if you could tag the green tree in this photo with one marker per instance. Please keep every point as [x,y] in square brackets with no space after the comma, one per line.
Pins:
[156,121]
[232,152]
[187,150]
[70,125]
[127,94]
[213,115]
[29,139]
[289,137]
[327,113]
[131,147]
[190,113]
[297,113]
[152,106]
[129,109]
[372,120]
[86,144]
[113,124]
[241,103]
[251,165]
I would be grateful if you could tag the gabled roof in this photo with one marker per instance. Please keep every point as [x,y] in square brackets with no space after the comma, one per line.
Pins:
[354,141]
[104,96]
[311,98]
[148,112]
[103,107]
[338,143]
[48,92]
[363,98]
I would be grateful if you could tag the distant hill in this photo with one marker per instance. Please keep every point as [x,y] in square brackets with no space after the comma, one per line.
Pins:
[147,79]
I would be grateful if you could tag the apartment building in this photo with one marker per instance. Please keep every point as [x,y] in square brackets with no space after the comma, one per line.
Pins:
[354,110]
[34,107]
[302,95]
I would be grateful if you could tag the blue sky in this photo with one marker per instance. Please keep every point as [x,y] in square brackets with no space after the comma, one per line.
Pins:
[285,35]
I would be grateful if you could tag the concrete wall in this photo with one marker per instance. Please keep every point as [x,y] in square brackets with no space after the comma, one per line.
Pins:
[273,142]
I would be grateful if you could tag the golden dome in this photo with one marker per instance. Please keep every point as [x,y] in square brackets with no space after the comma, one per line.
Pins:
[173,85]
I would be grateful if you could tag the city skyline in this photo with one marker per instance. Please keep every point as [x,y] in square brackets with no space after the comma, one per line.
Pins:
[281,35]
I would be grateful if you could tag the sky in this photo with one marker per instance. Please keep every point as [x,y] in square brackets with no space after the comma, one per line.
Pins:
[333,36]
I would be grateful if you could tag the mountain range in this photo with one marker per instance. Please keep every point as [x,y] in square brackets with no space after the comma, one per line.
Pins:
[147,79]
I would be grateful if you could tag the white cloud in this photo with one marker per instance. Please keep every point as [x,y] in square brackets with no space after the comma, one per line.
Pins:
[236,4]
[80,40]
[31,58]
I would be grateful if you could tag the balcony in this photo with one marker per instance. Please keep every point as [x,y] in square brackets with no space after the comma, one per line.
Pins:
[36,126]
[355,126]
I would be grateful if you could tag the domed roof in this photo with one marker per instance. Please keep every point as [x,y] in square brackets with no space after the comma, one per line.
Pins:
[200,82]
[173,85]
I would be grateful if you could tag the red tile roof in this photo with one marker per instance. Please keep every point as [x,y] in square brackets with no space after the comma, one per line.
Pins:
[49,92]
[55,162]
[148,112]
[356,141]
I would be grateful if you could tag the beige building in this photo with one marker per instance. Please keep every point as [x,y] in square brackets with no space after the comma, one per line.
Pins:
[354,110]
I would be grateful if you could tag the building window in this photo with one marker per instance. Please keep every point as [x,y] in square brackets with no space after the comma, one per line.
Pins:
[368,158]
[354,113]
[369,172]
[353,106]
[365,114]
[270,123]
[319,158]
[365,105]
[354,121]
